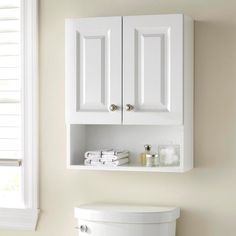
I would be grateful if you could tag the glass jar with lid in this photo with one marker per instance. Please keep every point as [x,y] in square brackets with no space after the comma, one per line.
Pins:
[152,159]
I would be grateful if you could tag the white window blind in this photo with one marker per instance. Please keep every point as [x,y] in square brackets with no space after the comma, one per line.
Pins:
[10,83]
[11,135]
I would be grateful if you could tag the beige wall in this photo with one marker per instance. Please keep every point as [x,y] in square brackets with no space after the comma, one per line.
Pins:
[207,194]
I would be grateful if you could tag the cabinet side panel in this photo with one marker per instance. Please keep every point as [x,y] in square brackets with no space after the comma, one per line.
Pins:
[188,92]
[70,68]
[76,144]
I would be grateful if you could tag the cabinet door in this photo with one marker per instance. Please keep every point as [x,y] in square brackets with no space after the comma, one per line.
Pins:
[153,69]
[93,70]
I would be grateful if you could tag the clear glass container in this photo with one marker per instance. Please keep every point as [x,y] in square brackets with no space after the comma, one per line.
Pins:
[169,155]
[143,154]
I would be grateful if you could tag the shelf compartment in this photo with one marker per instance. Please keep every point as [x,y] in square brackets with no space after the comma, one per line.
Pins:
[81,138]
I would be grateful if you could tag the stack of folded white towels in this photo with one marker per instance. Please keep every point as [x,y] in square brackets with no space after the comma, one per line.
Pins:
[108,157]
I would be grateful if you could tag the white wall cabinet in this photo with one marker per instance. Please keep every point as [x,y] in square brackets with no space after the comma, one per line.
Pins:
[131,70]
[150,52]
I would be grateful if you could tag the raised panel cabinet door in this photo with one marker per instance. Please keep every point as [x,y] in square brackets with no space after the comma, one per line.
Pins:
[153,69]
[93,70]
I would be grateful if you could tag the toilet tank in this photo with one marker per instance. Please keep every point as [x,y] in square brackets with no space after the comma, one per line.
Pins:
[126,220]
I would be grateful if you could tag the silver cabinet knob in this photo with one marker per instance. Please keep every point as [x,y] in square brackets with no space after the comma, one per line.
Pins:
[83,228]
[129,107]
[113,107]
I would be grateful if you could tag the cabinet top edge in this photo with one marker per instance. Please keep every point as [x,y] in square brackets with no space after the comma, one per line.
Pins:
[126,16]
[92,17]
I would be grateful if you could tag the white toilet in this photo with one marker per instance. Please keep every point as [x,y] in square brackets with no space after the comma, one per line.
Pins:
[126,220]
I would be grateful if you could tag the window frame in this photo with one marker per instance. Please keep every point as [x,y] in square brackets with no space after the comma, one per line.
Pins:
[26,218]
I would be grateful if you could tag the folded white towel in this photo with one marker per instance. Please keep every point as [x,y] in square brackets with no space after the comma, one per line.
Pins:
[93,158]
[116,163]
[96,163]
[113,152]
[88,162]
[96,153]
[89,154]
[114,157]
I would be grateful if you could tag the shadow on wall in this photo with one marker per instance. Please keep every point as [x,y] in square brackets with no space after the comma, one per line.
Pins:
[215,93]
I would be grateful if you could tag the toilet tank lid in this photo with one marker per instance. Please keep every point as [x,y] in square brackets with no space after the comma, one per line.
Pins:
[118,213]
